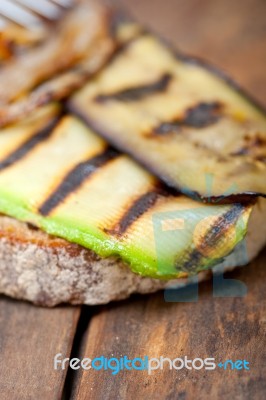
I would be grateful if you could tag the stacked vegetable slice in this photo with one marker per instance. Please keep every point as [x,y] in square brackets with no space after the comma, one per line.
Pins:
[180,120]
[187,125]
[59,175]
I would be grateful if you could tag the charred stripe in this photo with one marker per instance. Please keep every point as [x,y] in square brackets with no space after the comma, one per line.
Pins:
[138,92]
[75,178]
[29,145]
[199,116]
[211,239]
[137,209]
[223,224]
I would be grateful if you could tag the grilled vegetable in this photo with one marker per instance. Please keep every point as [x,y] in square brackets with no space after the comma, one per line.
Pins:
[56,174]
[80,45]
[15,39]
[58,87]
[180,120]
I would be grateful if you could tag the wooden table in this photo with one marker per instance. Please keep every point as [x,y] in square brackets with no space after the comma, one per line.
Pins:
[231,34]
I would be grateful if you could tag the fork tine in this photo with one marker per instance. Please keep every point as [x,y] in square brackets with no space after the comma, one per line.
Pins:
[19,15]
[44,8]
[64,3]
[30,13]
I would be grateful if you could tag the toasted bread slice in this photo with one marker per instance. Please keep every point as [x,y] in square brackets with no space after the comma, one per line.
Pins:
[47,270]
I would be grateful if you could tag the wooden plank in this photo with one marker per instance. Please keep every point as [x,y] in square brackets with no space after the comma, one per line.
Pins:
[30,337]
[223,328]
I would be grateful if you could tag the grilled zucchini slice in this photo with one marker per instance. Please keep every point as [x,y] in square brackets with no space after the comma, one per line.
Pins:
[59,175]
[180,120]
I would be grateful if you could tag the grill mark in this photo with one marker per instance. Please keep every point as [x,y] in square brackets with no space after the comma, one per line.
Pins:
[136,210]
[212,237]
[138,92]
[197,61]
[75,178]
[200,116]
[190,265]
[29,145]
[223,223]
[251,144]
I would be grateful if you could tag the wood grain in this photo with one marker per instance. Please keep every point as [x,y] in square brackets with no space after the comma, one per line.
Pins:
[223,328]
[30,337]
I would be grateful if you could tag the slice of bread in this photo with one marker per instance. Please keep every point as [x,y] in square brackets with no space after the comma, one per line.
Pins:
[47,270]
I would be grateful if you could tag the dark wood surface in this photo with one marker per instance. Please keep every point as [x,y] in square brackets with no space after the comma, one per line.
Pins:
[29,339]
[232,35]
[223,328]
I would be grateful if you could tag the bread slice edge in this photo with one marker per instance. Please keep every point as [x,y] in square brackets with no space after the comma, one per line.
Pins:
[47,271]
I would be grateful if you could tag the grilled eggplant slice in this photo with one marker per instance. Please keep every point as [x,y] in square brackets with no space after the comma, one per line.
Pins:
[180,120]
[56,174]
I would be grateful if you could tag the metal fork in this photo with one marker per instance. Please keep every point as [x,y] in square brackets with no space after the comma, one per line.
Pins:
[32,14]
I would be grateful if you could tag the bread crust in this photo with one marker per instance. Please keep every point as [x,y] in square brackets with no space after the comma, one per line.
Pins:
[47,270]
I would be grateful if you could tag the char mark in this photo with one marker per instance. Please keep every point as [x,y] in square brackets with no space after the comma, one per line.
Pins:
[137,93]
[200,116]
[215,233]
[75,178]
[136,210]
[29,145]
[251,144]
[212,238]
[190,265]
